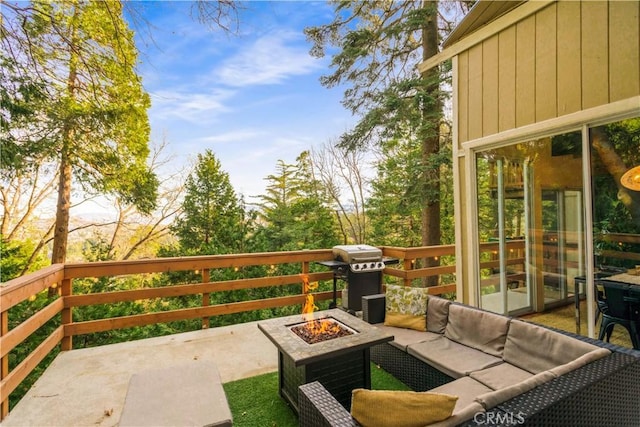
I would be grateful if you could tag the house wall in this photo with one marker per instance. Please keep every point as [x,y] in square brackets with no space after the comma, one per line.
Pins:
[563,58]
[567,57]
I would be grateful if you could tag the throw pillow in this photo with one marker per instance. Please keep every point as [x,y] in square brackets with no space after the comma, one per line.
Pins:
[406,307]
[387,408]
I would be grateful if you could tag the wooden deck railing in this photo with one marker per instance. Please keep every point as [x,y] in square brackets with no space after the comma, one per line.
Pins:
[61,277]
[620,239]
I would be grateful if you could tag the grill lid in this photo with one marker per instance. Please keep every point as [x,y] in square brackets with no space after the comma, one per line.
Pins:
[357,253]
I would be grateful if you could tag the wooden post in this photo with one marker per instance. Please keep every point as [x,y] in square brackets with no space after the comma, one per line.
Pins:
[408,265]
[67,314]
[4,363]
[206,297]
[305,270]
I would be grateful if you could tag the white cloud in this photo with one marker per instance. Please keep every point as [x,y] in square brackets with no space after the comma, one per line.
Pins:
[270,60]
[189,106]
[233,136]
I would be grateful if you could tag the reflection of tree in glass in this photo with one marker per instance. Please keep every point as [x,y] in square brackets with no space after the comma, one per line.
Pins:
[615,150]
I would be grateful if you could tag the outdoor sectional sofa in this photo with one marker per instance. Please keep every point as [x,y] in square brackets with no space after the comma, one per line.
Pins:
[505,371]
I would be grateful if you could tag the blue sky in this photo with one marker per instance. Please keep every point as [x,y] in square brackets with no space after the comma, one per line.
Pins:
[253,99]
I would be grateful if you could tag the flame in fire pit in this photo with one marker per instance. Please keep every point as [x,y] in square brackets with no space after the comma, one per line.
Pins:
[309,304]
[318,326]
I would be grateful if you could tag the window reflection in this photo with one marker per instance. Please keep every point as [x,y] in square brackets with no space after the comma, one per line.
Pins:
[615,148]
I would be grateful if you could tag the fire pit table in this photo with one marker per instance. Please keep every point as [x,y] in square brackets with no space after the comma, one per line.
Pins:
[340,364]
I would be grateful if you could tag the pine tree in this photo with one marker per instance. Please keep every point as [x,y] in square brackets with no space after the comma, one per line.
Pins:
[94,124]
[212,220]
[379,45]
[294,209]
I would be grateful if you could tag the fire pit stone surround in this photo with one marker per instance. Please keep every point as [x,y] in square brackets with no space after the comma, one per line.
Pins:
[340,364]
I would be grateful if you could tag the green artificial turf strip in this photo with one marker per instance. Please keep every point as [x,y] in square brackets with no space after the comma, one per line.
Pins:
[382,380]
[255,401]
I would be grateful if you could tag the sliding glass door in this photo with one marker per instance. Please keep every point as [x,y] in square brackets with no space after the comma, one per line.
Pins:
[530,223]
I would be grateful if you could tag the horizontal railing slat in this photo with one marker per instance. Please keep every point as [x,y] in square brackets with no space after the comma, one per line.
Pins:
[430,271]
[420,252]
[18,334]
[192,289]
[101,325]
[442,289]
[620,255]
[621,237]
[15,291]
[20,372]
[166,265]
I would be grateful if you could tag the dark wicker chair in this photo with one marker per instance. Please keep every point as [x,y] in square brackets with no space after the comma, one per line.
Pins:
[601,300]
[620,310]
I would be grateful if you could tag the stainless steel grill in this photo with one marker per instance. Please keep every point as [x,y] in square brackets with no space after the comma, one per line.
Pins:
[360,266]
[361,258]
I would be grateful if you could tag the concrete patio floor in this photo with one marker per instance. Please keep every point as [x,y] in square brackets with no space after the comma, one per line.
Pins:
[87,387]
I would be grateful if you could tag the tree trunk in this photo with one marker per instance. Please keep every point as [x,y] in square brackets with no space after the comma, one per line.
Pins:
[431,143]
[61,231]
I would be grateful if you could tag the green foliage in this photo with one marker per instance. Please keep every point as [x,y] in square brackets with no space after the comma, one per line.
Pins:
[21,98]
[15,259]
[212,221]
[615,212]
[96,107]
[394,207]
[295,210]
[611,214]
[377,46]
[74,99]
[17,315]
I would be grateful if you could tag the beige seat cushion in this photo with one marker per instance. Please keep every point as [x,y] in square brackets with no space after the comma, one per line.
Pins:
[386,408]
[402,337]
[501,376]
[455,360]
[478,329]
[536,349]
[580,361]
[466,388]
[437,314]
[494,398]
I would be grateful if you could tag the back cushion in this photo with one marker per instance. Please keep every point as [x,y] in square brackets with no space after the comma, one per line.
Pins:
[479,329]
[437,314]
[536,349]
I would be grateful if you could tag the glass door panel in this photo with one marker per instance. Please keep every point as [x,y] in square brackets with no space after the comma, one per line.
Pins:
[530,223]
[502,223]
[562,243]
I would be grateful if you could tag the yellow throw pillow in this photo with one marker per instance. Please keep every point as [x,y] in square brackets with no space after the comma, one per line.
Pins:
[406,307]
[387,408]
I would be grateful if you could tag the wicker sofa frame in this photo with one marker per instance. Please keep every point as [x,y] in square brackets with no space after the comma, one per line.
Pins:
[604,392]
